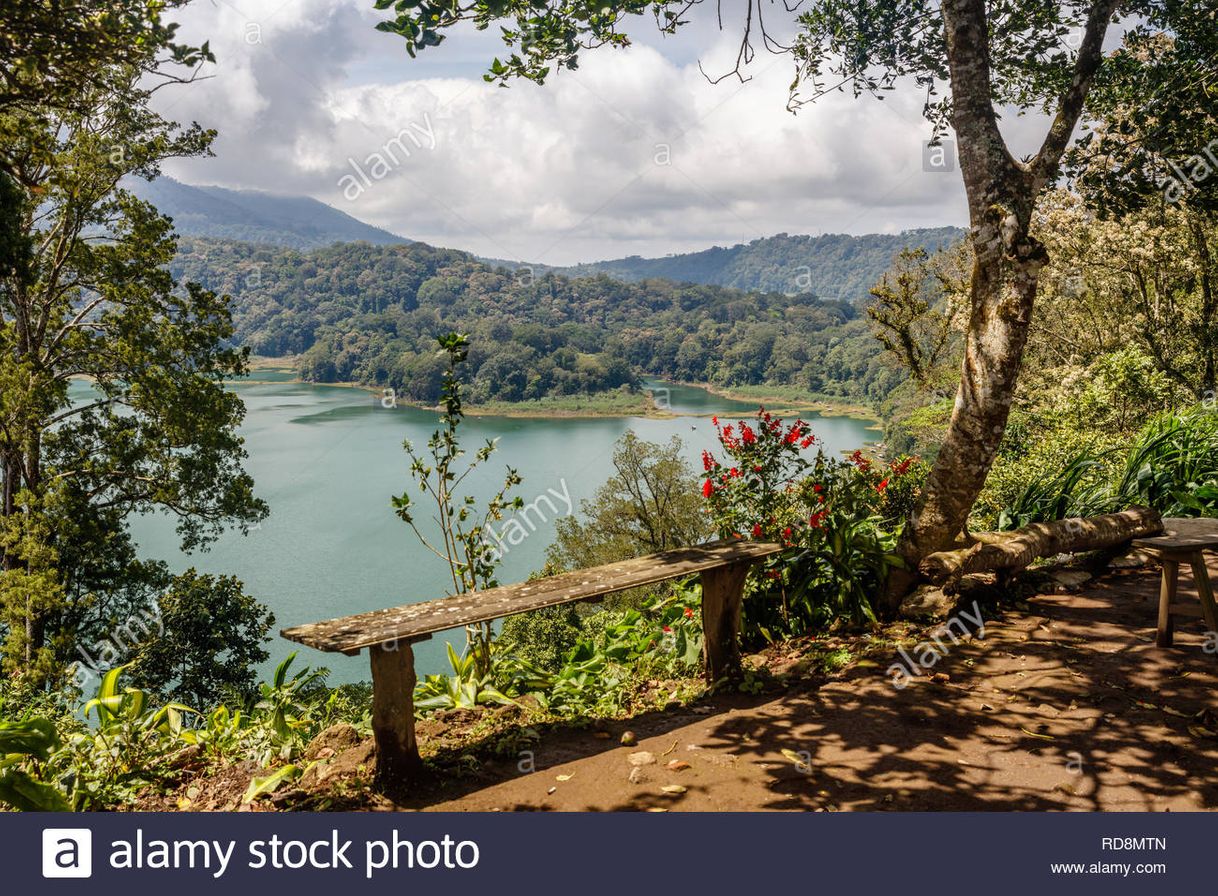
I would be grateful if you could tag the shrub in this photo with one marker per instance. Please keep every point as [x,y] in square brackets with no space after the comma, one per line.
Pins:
[1171,465]
[839,519]
[542,638]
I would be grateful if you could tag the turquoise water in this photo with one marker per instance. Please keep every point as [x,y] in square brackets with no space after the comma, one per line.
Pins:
[327,459]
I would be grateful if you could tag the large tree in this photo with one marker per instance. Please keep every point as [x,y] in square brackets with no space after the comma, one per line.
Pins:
[112,398]
[973,59]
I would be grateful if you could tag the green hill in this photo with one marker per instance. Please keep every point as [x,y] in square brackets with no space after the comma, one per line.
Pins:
[833,266]
[365,313]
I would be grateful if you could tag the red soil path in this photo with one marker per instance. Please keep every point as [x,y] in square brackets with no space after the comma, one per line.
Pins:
[1066,704]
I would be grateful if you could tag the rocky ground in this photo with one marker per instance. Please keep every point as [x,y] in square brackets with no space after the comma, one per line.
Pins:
[1065,703]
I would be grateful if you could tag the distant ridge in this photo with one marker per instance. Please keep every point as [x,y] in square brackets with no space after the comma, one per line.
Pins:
[834,266]
[252,216]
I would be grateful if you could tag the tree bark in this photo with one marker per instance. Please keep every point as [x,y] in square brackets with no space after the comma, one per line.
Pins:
[1012,551]
[1002,194]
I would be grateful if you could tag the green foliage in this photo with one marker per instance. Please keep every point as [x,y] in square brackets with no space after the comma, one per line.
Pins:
[368,314]
[645,506]
[158,431]
[268,784]
[210,640]
[609,649]
[838,519]
[128,742]
[833,266]
[22,743]
[1171,465]
[127,748]
[1153,116]
[663,637]
[51,53]
[542,638]
[468,685]
[291,710]
[911,315]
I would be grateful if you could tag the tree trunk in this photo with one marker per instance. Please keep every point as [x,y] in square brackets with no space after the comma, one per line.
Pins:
[1011,551]
[1002,194]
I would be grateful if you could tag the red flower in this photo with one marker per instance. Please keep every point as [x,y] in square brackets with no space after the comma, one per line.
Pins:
[707,461]
[715,420]
[708,489]
[786,533]
[757,468]
[689,612]
[816,519]
[808,442]
[756,530]
[859,461]
[883,485]
[667,630]
[900,469]
[818,488]
[747,434]
[733,472]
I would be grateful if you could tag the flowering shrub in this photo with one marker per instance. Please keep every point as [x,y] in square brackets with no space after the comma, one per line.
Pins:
[750,493]
[840,520]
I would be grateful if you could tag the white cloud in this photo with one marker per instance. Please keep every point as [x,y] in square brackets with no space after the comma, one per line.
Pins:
[560,173]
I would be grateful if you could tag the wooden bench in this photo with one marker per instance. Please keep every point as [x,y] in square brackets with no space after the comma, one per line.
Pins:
[1186,541]
[390,634]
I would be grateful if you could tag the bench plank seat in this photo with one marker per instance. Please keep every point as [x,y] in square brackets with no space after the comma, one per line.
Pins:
[416,621]
[1177,544]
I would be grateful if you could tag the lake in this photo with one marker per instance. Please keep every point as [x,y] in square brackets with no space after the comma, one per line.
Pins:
[327,459]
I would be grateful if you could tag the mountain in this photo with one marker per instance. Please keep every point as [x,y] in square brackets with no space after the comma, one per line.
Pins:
[834,266]
[252,216]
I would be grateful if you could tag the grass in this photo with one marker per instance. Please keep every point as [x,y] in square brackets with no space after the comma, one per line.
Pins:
[606,404]
[787,400]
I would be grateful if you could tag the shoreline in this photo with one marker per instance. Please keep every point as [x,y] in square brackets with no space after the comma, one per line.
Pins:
[643,405]
[779,404]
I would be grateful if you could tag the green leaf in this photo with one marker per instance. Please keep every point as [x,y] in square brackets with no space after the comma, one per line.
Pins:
[33,737]
[270,783]
[19,790]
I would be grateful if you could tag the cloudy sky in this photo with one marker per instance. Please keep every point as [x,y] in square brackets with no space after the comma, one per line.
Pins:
[635,153]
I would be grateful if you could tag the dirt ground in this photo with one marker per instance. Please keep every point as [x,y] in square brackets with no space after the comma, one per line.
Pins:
[1067,704]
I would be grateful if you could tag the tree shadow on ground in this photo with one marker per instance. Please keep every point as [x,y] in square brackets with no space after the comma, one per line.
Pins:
[1066,703]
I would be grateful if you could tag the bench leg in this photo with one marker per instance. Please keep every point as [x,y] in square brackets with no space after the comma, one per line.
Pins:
[1205,591]
[393,680]
[1167,597]
[722,595]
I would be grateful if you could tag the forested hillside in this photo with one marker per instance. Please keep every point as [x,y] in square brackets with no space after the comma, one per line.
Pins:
[832,266]
[358,312]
